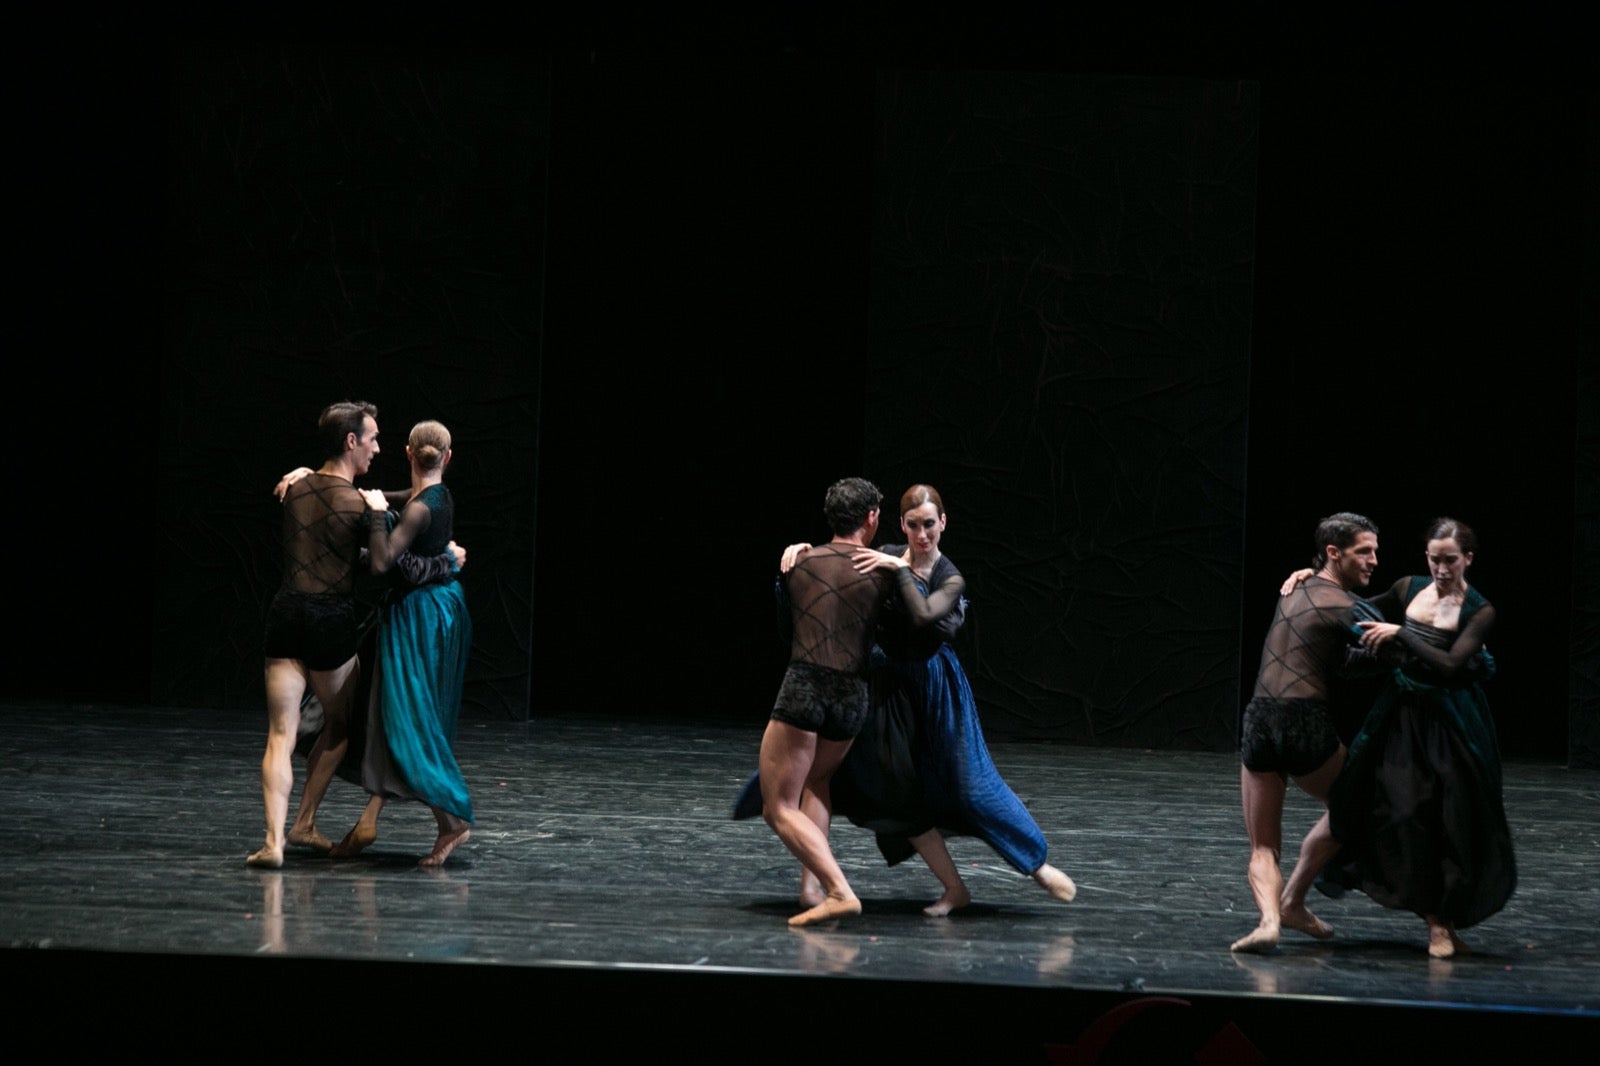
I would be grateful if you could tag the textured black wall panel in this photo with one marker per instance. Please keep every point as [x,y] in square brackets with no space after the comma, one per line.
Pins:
[346,223]
[1060,324]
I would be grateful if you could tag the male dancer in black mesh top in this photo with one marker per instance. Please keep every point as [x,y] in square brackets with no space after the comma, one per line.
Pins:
[315,622]
[1288,730]
[823,700]
[292,607]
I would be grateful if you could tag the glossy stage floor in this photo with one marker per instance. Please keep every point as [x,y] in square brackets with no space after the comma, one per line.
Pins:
[607,907]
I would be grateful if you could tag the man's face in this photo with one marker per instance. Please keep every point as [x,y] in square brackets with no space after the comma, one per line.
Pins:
[1352,567]
[362,451]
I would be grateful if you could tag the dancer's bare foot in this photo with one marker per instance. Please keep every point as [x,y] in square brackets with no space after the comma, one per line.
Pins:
[1443,943]
[1300,917]
[310,838]
[354,842]
[811,892]
[1056,883]
[953,900]
[1262,940]
[830,907]
[447,841]
[271,858]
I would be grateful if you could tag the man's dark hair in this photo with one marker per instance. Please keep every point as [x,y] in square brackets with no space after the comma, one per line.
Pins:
[340,419]
[1340,530]
[848,504]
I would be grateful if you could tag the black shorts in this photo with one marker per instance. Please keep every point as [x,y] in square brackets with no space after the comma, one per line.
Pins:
[824,701]
[322,631]
[1291,737]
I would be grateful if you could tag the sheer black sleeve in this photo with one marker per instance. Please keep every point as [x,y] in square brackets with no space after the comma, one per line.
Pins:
[418,570]
[387,546]
[1468,643]
[948,626]
[934,607]
[1360,662]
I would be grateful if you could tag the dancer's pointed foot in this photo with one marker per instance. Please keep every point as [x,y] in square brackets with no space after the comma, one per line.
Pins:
[1056,883]
[830,907]
[310,838]
[447,841]
[1301,918]
[355,842]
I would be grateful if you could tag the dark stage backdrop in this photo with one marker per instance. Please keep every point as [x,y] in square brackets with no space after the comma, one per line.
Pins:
[1060,344]
[1416,350]
[706,348]
[346,223]
[380,221]
[1583,709]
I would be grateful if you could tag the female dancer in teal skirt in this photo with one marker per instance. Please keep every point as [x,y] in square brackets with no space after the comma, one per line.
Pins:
[422,661]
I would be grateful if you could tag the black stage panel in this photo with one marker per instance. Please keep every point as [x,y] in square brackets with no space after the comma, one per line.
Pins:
[607,904]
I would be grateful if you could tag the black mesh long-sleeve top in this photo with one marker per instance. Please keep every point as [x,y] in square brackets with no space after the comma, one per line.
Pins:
[324,529]
[1312,635]
[834,609]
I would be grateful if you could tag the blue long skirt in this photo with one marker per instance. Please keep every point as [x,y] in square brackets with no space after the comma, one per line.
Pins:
[921,763]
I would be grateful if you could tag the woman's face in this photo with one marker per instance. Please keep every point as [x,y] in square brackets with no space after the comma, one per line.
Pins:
[922,526]
[1447,562]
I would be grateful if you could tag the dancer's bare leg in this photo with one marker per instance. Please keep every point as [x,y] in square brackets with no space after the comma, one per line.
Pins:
[820,810]
[1315,850]
[303,832]
[286,685]
[1263,818]
[1056,883]
[363,833]
[335,688]
[931,847]
[453,832]
[791,761]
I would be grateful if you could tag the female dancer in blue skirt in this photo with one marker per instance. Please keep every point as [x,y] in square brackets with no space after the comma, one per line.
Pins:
[920,767]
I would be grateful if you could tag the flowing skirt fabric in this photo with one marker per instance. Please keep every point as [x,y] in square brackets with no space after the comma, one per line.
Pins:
[421,668]
[921,763]
[1418,809]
